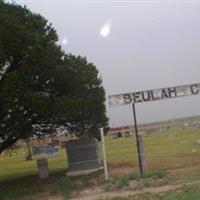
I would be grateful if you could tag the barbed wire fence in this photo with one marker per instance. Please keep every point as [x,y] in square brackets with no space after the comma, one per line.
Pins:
[174,148]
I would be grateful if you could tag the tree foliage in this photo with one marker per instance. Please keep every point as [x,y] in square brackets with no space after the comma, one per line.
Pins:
[41,87]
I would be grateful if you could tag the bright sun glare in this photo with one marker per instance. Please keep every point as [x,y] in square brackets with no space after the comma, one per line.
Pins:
[105,30]
[64,41]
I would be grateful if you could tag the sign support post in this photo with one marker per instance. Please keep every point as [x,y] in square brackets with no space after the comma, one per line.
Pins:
[104,154]
[139,144]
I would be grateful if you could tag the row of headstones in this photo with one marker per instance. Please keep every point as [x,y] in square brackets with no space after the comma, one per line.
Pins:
[119,134]
[82,156]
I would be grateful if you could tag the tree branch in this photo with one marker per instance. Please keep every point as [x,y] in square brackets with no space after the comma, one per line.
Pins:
[7,143]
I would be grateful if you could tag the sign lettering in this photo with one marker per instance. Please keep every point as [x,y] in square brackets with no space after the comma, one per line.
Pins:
[154,95]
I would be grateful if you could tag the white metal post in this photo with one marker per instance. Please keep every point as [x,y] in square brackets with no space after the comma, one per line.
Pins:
[104,154]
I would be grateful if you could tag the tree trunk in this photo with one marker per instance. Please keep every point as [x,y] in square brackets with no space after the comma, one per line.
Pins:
[29,153]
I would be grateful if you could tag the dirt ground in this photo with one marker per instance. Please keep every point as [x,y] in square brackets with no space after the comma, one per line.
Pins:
[97,193]
[183,177]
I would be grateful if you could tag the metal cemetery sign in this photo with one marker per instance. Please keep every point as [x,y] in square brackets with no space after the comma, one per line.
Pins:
[154,95]
[147,96]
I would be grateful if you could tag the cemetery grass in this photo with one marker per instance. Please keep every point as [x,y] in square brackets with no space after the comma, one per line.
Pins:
[175,149]
[175,152]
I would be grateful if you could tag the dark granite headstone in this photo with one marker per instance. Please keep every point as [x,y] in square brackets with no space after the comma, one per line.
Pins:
[42,165]
[117,135]
[82,154]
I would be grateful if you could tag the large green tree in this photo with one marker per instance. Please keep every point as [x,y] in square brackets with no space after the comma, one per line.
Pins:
[42,88]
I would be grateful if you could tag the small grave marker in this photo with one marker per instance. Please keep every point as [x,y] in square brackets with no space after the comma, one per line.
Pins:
[42,166]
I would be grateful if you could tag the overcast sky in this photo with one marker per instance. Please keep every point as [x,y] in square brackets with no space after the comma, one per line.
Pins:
[151,44]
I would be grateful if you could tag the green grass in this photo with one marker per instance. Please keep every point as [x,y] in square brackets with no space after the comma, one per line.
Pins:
[56,186]
[177,142]
[66,185]
[187,193]
[122,181]
[174,149]
[18,192]
[16,166]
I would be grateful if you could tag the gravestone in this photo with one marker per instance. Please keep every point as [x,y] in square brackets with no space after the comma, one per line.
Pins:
[119,134]
[45,151]
[42,166]
[127,134]
[82,155]
[114,136]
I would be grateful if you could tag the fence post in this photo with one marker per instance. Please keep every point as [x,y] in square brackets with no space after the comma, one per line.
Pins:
[104,154]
